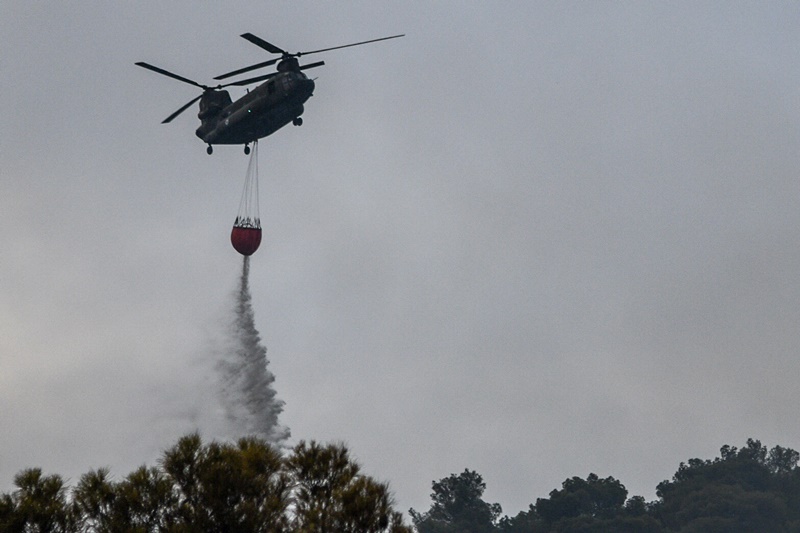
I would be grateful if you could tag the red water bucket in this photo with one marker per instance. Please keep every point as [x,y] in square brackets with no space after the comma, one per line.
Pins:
[245,240]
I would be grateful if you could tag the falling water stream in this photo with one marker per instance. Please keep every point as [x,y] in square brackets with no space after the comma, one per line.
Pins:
[248,394]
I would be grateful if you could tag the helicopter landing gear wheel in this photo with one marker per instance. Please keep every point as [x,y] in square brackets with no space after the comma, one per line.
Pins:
[209,150]
[297,121]
[246,150]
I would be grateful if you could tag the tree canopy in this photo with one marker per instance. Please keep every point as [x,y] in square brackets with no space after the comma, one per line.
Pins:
[249,486]
[751,489]
[458,507]
[217,487]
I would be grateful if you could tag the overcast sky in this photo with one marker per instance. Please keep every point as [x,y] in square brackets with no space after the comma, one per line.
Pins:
[533,239]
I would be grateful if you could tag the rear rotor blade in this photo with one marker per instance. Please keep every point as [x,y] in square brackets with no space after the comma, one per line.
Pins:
[248,81]
[349,45]
[312,65]
[169,74]
[181,110]
[247,69]
[258,41]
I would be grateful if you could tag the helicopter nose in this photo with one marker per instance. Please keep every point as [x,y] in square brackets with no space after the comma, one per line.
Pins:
[307,86]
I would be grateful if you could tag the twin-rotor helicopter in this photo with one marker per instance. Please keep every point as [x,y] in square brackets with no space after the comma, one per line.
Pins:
[263,110]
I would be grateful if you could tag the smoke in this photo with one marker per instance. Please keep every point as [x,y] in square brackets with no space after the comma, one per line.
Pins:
[248,396]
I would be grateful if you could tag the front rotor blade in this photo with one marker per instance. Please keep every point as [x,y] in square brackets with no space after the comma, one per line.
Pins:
[258,41]
[181,110]
[349,45]
[247,69]
[169,74]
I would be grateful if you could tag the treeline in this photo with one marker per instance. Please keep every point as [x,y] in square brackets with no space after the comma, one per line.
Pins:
[743,490]
[222,488]
[250,486]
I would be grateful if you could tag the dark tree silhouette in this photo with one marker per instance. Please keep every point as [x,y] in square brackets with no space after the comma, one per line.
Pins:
[331,495]
[250,486]
[39,504]
[221,487]
[458,506]
[748,489]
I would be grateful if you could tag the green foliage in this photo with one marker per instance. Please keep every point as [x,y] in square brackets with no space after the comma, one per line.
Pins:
[751,489]
[38,505]
[225,487]
[331,495]
[249,486]
[587,505]
[218,487]
[594,497]
[782,461]
[458,506]
[748,489]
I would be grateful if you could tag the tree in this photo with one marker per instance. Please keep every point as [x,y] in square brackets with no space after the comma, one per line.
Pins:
[747,489]
[751,489]
[591,505]
[594,497]
[225,487]
[524,522]
[221,487]
[330,495]
[782,461]
[38,505]
[458,507]
[144,501]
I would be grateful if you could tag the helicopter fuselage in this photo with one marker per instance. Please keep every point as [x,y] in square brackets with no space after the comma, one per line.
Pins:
[257,114]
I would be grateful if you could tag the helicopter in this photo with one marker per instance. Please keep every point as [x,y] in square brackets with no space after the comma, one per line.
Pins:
[261,111]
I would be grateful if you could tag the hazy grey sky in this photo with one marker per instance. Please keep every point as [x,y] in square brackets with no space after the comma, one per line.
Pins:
[536,240]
